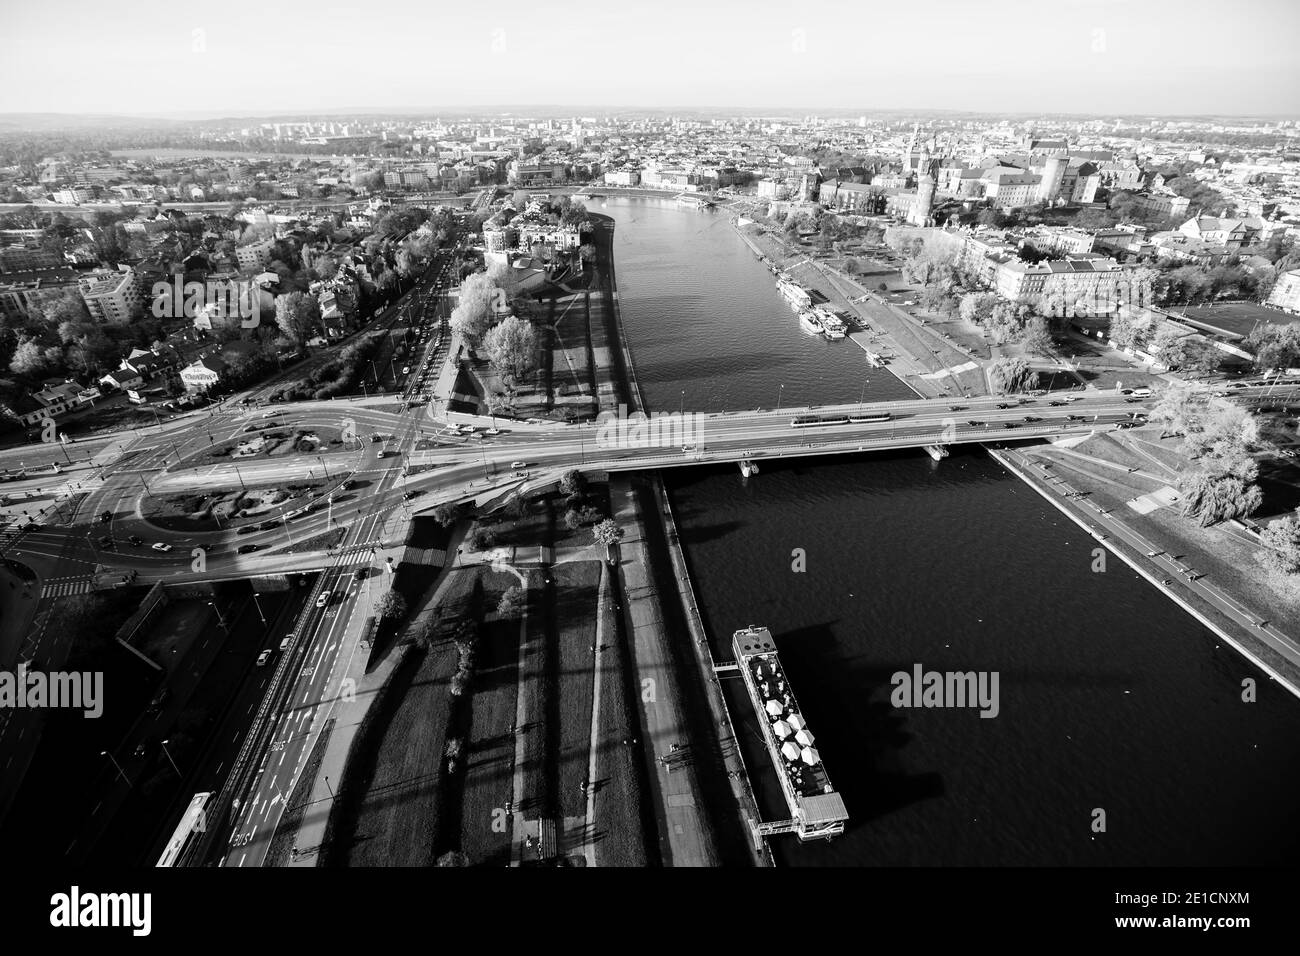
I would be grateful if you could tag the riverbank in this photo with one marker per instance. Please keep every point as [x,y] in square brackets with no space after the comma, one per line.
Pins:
[1158,558]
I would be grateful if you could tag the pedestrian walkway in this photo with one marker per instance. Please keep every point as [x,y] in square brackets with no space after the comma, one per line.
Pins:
[65,587]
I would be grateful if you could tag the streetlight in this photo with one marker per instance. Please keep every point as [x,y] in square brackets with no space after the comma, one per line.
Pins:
[323,468]
[213,604]
[258,605]
[241,480]
[329,788]
[779,395]
[285,521]
[105,753]
[681,406]
[169,758]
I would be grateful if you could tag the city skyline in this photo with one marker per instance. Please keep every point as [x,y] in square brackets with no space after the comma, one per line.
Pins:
[1090,57]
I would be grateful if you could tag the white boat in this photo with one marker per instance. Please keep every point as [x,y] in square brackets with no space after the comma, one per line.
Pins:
[833,326]
[809,322]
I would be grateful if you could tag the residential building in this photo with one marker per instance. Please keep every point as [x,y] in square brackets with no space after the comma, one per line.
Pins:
[112,297]
[1286,293]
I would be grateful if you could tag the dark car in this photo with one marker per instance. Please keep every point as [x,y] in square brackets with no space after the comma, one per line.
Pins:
[1074,418]
[267,525]
[1031,418]
[349,485]
[246,548]
[956,408]
[359,574]
[1005,405]
[105,542]
[136,540]
[247,529]
[974,424]
[1056,404]
[106,516]
[1010,425]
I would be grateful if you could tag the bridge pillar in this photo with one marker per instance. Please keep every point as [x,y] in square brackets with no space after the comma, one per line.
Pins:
[748,467]
[937,452]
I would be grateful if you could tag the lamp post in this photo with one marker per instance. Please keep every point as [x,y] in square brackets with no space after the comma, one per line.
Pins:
[213,604]
[780,395]
[241,480]
[284,519]
[258,605]
[169,758]
[121,773]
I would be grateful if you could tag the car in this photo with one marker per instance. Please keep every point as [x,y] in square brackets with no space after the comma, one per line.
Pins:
[406,370]
[376,437]
[324,598]
[1005,405]
[1070,398]
[267,525]
[271,414]
[136,540]
[1025,401]
[284,644]
[105,541]
[384,453]
[956,408]
[348,485]
[1074,418]
[139,750]
[412,494]
[1056,404]
[974,424]
[1132,401]
[247,548]
[359,574]
[159,699]
[247,529]
[160,546]
[106,516]
[492,431]
[1031,418]
[1010,425]
[519,464]
[263,657]
[1167,581]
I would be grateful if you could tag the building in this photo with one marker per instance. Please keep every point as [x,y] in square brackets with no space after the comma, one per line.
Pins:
[772,189]
[255,256]
[112,297]
[1286,293]
[1167,207]
[853,198]
[54,400]
[521,173]
[1071,286]
[623,177]
[406,179]
[21,259]
[1233,234]
[20,292]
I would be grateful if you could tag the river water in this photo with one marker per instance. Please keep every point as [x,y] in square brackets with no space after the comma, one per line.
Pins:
[1121,737]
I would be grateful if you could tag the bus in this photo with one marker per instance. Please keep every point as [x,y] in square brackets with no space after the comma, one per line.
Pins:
[863,419]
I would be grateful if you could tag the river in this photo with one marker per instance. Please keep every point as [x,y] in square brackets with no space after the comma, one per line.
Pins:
[1122,736]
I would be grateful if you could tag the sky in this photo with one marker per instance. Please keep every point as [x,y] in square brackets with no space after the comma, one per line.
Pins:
[258,57]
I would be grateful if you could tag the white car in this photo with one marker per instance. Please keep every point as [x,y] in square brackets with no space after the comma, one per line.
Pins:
[324,598]
[284,644]
[159,546]
[263,657]
[519,464]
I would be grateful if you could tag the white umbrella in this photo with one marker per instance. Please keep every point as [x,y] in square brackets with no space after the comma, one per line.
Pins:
[781,729]
[775,708]
[810,756]
[795,721]
[790,751]
[805,737]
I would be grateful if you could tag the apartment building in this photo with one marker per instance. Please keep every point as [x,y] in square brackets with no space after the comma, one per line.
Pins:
[112,297]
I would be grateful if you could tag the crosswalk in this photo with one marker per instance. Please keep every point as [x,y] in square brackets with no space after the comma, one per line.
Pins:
[65,587]
[355,554]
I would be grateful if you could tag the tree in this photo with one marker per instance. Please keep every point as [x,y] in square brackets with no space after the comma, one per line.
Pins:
[29,358]
[511,603]
[1280,552]
[447,514]
[607,532]
[573,482]
[1211,498]
[298,316]
[392,604]
[473,316]
[1037,339]
[1274,346]
[977,307]
[512,347]
[1012,375]
[480,539]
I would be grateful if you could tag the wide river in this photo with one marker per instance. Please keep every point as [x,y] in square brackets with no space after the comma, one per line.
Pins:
[1122,736]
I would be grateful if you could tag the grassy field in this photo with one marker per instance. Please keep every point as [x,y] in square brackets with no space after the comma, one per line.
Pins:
[489,747]
[575,596]
[394,770]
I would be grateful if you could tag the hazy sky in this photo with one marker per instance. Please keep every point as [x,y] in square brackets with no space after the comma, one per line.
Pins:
[164,57]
